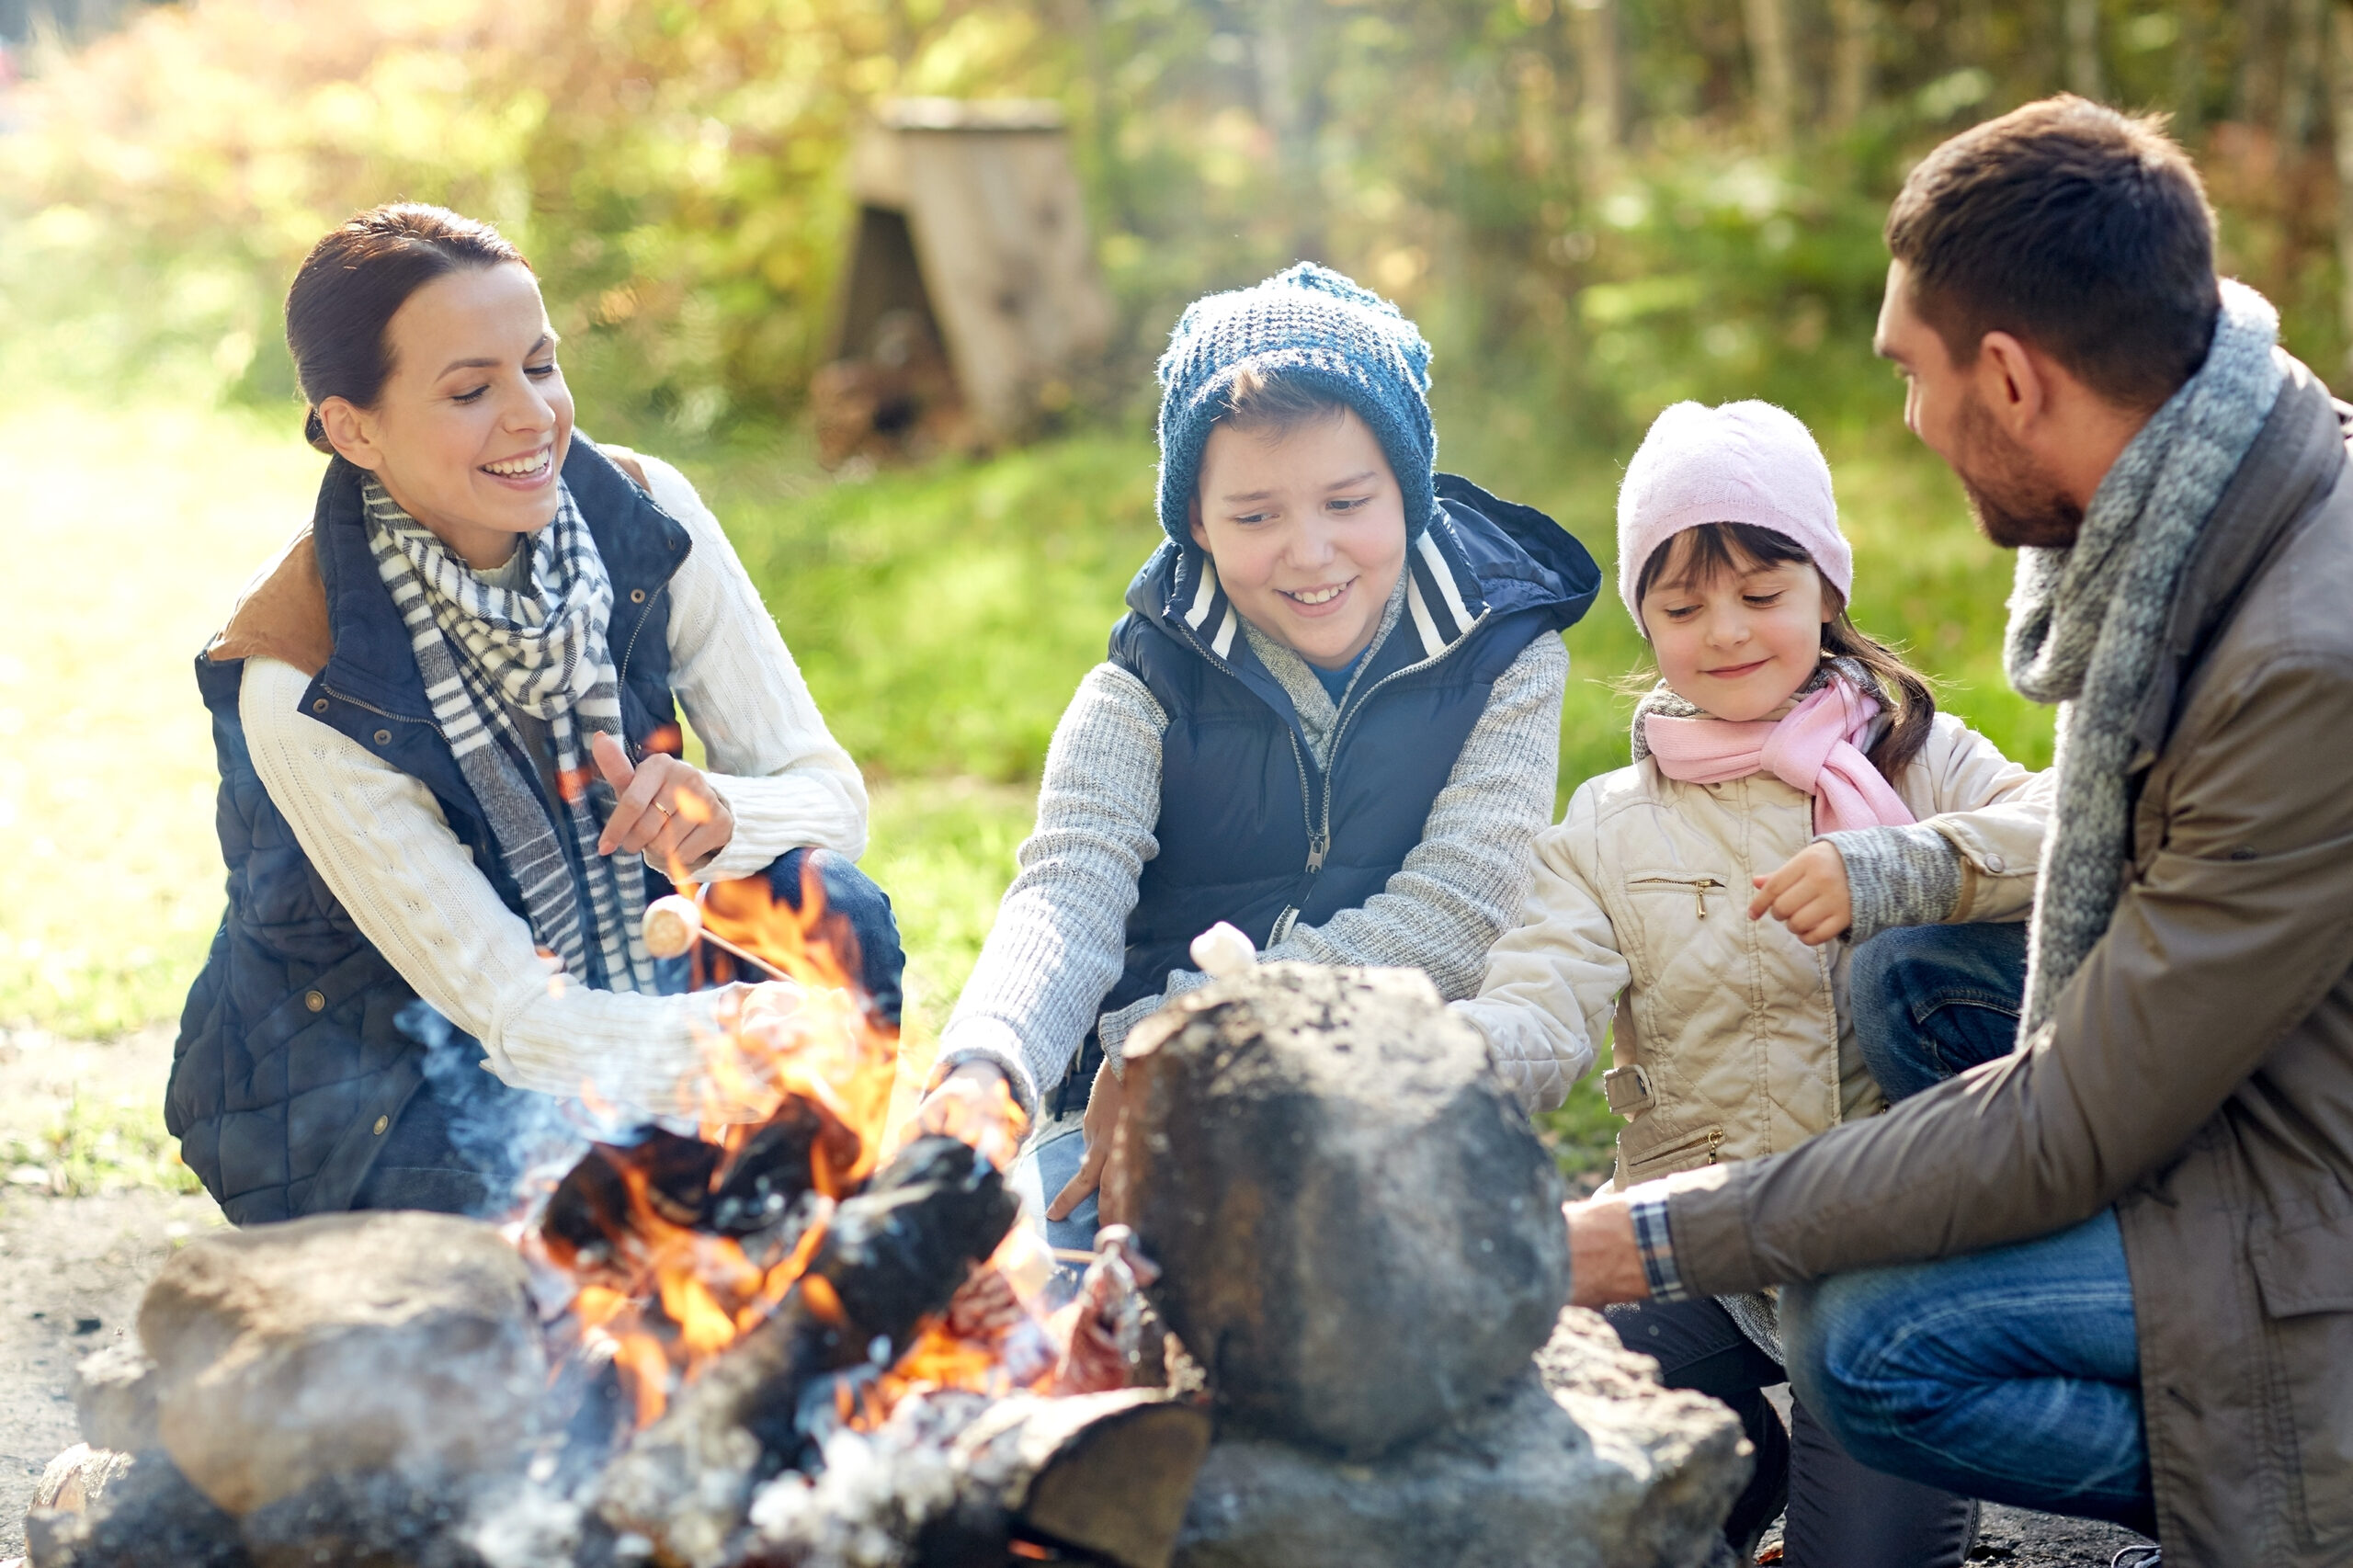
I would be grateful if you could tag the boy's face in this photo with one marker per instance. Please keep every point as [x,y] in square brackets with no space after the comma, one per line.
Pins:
[1308,530]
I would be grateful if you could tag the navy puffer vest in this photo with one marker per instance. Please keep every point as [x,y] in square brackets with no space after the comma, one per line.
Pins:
[1251,830]
[290,1069]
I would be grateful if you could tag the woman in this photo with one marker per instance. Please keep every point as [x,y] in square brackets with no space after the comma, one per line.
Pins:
[448,751]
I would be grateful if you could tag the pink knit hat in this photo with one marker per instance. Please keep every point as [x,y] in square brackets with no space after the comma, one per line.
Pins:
[1745,462]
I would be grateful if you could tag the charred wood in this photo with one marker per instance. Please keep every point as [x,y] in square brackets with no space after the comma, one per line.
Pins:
[891,1256]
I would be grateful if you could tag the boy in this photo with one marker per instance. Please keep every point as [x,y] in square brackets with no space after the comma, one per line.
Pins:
[1331,716]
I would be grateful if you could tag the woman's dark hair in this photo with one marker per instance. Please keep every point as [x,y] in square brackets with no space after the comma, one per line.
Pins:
[356,280]
[1717,547]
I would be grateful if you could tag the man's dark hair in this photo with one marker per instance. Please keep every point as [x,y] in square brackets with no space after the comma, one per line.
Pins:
[2080,230]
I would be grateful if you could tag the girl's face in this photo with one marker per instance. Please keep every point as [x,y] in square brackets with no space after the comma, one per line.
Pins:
[1307,528]
[472,429]
[1739,644]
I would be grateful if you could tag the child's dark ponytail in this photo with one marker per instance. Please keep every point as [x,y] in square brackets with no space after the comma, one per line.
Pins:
[1723,546]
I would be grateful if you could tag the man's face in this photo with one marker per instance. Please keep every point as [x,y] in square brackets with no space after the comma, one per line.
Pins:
[2015,501]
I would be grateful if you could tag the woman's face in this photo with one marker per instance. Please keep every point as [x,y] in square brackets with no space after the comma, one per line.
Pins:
[470,430]
[1740,644]
[1308,530]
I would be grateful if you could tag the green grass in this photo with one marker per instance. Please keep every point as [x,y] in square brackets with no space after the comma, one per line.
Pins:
[942,616]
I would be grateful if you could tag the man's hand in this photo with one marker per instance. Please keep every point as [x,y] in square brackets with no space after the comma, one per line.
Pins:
[1104,1104]
[1604,1264]
[667,811]
[1808,894]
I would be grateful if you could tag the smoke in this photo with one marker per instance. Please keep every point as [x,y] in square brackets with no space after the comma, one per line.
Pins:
[516,1140]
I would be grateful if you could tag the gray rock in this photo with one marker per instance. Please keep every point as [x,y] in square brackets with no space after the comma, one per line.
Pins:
[1584,1462]
[1360,1235]
[114,1396]
[341,1344]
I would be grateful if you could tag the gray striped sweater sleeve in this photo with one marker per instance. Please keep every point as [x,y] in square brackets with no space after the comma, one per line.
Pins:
[1061,932]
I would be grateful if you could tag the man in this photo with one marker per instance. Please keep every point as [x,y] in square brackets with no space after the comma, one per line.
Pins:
[2111,1273]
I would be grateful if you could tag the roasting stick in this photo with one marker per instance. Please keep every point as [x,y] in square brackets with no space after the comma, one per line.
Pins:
[674,925]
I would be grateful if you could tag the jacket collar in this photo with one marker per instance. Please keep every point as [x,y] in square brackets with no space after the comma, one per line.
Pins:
[2296,458]
[1480,555]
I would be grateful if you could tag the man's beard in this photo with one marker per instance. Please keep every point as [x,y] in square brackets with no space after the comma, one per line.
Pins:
[2014,503]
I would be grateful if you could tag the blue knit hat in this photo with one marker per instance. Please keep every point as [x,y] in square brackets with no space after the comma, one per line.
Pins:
[1311,325]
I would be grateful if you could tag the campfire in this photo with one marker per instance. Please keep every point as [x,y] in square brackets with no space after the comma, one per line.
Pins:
[798,1322]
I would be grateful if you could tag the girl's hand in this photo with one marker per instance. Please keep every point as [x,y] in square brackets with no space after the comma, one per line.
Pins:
[1104,1104]
[1808,894]
[668,812]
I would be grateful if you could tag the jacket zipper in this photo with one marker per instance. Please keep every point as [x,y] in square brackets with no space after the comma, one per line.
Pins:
[1700,887]
[1319,825]
[620,671]
[1712,1141]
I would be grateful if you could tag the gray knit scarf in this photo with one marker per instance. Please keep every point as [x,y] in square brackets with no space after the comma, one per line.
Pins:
[541,650]
[2087,624]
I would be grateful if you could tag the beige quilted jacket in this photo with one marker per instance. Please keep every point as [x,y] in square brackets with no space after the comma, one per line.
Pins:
[1731,1035]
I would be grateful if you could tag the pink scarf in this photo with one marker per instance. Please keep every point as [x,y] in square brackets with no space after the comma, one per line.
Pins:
[1816,747]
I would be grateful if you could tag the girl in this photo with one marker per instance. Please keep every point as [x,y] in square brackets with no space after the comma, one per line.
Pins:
[1784,751]
[447,725]
[1331,716]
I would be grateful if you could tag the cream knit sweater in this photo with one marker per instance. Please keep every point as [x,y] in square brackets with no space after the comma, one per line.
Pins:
[377,839]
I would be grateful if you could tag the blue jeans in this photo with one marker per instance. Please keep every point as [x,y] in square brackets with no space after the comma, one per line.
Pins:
[1930,1002]
[465,1138]
[2012,1374]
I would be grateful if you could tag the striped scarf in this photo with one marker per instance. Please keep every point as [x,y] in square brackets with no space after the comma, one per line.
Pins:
[2088,625]
[539,649]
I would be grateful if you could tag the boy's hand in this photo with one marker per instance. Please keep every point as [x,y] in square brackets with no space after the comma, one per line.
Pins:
[1808,894]
[1104,1104]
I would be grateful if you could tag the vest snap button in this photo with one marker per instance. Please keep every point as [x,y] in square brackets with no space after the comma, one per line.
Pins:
[382,1123]
[320,705]
[383,737]
[314,999]
[637,596]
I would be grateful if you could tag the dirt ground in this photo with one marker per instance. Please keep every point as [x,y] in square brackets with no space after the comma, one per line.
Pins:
[72,1266]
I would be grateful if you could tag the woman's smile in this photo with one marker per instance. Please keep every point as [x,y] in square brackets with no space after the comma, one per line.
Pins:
[530,471]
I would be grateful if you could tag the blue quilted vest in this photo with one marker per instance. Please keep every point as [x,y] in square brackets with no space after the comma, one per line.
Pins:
[1251,831]
[289,1068]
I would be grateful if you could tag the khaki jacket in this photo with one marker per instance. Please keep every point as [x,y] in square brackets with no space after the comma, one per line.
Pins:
[2198,1074]
[1731,1036]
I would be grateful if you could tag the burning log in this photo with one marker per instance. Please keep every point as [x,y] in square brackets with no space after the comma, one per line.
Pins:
[1359,1233]
[890,1256]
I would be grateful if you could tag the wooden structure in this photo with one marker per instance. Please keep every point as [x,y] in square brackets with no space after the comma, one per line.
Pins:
[970,305]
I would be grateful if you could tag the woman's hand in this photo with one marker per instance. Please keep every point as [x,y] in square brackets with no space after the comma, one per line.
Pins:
[1808,894]
[1104,1104]
[667,811]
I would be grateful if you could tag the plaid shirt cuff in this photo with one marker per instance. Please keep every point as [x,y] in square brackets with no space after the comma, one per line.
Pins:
[1657,1247]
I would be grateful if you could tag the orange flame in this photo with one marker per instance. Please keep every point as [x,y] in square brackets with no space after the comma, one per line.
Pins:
[662,1297]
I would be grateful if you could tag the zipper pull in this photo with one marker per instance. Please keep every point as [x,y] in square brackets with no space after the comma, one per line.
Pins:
[1700,891]
[1715,1142]
[1316,846]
